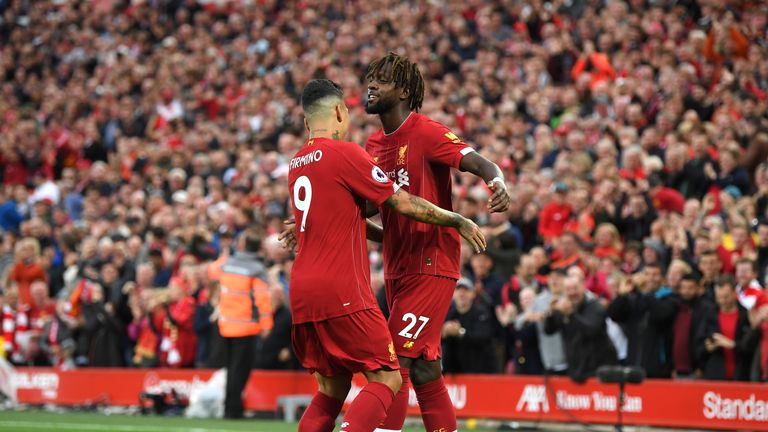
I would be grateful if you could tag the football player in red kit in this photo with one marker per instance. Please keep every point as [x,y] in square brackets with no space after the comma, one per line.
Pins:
[421,262]
[338,329]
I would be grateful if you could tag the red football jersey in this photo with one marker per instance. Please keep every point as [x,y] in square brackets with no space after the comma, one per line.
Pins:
[330,181]
[419,156]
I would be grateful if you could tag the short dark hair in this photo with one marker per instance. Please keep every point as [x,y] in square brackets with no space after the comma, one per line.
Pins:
[252,240]
[403,74]
[690,277]
[634,245]
[653,265]
[575,238]
[726,279]
[158,232]
[316,90]
[654,179]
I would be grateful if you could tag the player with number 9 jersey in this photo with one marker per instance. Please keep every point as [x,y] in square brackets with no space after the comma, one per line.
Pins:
[330,181]
[332,303]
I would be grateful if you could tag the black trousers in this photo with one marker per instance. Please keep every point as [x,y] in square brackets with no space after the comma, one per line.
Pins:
[240,352]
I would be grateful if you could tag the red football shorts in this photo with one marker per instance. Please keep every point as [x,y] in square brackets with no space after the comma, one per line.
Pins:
[417,308]
[345,345]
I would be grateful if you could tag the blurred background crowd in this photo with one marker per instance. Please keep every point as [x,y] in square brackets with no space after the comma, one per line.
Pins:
[138,139]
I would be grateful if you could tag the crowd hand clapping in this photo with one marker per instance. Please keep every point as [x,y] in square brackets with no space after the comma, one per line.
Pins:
[626,286]
[451,328]
[564,306]
[506,313]
[718,340]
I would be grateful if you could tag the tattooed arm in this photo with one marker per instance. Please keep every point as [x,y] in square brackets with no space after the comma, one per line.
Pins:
[422,210]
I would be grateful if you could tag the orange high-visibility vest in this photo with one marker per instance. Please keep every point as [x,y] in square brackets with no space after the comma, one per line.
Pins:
[245,306]
[214,268]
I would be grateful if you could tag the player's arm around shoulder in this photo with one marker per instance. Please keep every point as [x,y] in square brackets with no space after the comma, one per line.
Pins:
[422,210]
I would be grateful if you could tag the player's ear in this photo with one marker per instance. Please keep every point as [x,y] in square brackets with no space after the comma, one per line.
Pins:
[306,124]
[404,93]
[340,113]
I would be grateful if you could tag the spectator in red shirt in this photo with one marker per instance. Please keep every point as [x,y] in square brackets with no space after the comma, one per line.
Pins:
[179,342]
[695,318]
[633,168]
[43,307]
[27,269]
[607,241]
[664,198]
[582,220]
[145,330]
[567,254]
[595,64]
[729,351]
[554,216]
[40,313]
[15,171]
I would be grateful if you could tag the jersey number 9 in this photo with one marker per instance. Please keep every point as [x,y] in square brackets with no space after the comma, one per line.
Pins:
[302,205]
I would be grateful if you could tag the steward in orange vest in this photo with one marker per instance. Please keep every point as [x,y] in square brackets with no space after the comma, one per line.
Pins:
[245,308]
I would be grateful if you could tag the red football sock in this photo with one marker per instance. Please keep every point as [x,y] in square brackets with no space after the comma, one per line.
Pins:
[436,406]
[399,408]
[320,415]
[368,409]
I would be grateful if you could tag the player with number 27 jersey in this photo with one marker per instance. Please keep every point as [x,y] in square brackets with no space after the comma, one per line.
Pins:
[421,262]
[418,157]
[330,182]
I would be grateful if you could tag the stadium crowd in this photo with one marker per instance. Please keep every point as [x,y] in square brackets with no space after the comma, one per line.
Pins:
[139,139]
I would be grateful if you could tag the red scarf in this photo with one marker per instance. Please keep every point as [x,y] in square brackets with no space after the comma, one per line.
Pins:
[9,331]
[15,324]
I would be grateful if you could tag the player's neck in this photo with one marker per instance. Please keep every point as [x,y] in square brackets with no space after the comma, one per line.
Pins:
[394,118]
[323,131]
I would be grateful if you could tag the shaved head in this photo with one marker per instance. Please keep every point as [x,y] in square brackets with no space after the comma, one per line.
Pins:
[319,98]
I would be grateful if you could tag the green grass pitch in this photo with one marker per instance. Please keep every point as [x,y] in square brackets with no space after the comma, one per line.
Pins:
[39,421]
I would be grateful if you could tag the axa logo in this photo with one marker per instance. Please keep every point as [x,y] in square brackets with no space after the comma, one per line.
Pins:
[533,399]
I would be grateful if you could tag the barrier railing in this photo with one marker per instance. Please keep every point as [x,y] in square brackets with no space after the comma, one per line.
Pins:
[695,404]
